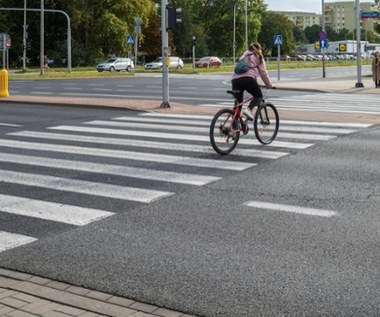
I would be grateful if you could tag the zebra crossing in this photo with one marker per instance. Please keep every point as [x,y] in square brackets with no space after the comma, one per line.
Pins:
[67,176]
[327,102]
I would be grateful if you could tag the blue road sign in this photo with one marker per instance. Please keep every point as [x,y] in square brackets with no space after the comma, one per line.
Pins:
[369,15]
[323,43]
[277,39]
[130,39]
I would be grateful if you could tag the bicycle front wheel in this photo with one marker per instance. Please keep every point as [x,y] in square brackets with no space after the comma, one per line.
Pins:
[266,123]
[224,132]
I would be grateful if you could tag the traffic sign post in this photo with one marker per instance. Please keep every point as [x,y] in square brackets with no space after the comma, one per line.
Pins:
[5,43]
[323,42]
[277,40]
[137,30]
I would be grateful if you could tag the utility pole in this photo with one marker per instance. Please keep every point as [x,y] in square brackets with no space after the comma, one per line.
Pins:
[324,32]
[234,38]
[42,39]
[193,46]
[246,24]
[165,53]
[24,40]
[358,51]
[138,22]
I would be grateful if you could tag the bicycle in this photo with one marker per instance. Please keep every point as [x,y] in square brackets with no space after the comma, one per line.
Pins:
[228,124]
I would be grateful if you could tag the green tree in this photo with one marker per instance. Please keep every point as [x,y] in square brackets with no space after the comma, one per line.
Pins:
[299,35]
[312,33]
[274,23]
[344,34]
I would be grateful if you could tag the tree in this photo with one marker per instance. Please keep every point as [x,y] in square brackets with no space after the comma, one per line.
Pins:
[299,35]
[272,24]
[312,33]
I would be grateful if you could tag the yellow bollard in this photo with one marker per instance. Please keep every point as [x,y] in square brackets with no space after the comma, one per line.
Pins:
[4,83]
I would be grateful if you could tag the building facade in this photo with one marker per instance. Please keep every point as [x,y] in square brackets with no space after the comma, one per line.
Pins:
[340,15]
[337,15]
[302,19]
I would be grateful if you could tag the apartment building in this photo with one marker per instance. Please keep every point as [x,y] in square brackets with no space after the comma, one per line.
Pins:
[302,19]
[337,15]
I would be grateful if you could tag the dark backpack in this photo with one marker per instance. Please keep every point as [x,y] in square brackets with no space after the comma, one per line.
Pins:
[243,65]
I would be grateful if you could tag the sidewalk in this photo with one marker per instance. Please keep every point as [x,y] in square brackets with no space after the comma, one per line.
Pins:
[25,295]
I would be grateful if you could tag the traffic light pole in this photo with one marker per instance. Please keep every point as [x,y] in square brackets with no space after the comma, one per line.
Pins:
[165,53]
[68,28]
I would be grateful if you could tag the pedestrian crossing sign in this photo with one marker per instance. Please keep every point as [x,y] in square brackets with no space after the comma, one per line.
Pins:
[130,39]
[277,39]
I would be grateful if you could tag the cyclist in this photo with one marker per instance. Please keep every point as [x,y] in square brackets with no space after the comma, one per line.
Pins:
[248,80]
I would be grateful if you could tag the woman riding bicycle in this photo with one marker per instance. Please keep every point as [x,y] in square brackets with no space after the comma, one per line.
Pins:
[248,80]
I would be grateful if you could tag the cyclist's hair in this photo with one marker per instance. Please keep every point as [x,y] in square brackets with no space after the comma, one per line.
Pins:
[256,49]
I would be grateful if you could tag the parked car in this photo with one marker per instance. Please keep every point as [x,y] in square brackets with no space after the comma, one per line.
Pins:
[209,61]
[175,62]
[116,64]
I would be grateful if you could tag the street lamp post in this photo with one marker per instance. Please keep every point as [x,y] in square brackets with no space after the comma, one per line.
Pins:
[165,54]
[324,31]
[42,39]
[24,40]
[234,39]
[358,51]
[246,23]
[193,47]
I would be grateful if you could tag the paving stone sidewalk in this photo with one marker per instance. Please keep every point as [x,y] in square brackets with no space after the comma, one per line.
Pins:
[25,295]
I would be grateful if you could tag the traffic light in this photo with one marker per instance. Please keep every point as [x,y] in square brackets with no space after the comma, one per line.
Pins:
[194,40]
[173,17]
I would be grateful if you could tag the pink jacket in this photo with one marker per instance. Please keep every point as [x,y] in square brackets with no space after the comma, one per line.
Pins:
[258,70]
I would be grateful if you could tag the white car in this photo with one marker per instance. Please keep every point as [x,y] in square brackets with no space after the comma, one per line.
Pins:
[116,64]
[175,62]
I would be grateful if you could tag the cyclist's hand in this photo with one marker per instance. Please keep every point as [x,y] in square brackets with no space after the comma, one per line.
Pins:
[273,87]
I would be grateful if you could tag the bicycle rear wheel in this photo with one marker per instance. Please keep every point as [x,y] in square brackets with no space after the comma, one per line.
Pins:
[224,133]
[266,123]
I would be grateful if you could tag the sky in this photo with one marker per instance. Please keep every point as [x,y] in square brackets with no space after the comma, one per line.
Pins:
[298,5]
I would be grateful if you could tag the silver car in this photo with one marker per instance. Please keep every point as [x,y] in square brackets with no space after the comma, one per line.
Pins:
[175,62]
[116,64]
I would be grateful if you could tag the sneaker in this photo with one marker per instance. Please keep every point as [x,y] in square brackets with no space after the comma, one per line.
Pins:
[248,113]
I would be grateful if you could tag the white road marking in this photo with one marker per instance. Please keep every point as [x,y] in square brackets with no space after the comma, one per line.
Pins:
[147,144]
[292,209]
[83,187]
[10,240]
[119,170]
[40,209]
[131,155]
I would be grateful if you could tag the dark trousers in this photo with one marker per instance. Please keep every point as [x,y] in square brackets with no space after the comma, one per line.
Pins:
[250,85]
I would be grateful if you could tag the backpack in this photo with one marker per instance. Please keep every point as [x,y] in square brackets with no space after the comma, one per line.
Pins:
[243,65]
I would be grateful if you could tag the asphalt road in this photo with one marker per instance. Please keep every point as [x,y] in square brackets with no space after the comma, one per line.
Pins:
[294,236]
[189,89]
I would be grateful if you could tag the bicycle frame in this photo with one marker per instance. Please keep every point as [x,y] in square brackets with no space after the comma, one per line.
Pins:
[228,124]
